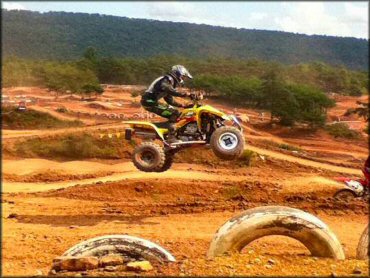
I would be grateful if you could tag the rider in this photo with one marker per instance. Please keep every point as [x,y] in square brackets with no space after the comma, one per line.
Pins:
[165,87]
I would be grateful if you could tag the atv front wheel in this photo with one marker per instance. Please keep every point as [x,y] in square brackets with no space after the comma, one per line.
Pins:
[148,157]
[227,142]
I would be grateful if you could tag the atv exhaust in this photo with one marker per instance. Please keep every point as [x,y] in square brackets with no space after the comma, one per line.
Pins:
[129,133]
[186,143]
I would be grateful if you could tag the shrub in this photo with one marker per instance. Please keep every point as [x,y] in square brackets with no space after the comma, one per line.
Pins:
[289,147]
[248,157]
[135,94]
[342,130]
[233,193]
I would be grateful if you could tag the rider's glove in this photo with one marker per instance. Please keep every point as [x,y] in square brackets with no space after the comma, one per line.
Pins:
[193,96]
[190,105]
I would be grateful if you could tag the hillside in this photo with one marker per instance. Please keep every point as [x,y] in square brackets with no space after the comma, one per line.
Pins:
[60,35]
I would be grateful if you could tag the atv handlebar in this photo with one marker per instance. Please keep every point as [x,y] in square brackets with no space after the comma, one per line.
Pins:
[196,96]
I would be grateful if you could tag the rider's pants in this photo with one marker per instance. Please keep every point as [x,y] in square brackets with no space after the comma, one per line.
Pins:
[162,110]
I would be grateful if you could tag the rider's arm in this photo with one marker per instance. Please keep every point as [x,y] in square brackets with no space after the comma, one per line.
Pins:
[169,99]
[167,87]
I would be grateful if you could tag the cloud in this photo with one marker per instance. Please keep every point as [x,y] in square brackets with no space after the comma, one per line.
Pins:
[310,18]
[176,11]
[356,14]
[313,18]
[193,12]
[13,6]
[257,16]
[319,18]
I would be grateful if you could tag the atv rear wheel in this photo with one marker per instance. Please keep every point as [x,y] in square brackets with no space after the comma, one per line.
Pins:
[168,162]
[227,142]
[148,157]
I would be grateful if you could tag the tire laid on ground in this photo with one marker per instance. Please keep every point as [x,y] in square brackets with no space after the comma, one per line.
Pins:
[167,163]
[363,245]
[255,223]
[227,142]
[149,157]
[127,246]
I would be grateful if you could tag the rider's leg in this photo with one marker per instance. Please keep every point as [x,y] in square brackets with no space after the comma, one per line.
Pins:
[166,112]
[172,124]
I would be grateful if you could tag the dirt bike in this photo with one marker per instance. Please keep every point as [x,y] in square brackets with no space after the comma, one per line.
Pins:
[196,126]
[353,189]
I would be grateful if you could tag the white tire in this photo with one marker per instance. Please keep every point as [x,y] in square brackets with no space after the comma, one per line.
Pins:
[255,223]
[363,245]
[124,245]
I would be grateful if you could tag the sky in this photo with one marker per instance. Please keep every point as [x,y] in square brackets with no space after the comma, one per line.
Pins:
[344,19]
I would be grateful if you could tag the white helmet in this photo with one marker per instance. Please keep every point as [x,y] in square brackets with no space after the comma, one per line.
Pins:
[179,72]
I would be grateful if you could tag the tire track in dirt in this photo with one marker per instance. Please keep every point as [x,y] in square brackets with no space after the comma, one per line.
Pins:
[17,134]
[304,162]
[13,187]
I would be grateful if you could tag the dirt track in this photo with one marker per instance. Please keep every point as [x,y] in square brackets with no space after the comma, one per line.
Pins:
[48,206]
[173,209]
[7,134]
[180,214]
[120,171]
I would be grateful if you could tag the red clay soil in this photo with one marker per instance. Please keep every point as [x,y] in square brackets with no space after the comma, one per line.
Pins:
[48,206]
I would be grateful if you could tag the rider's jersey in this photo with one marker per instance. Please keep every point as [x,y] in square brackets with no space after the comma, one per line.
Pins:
[163,87]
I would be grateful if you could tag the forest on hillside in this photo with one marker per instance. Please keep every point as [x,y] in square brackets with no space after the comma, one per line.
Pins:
[292,93]
[65,36]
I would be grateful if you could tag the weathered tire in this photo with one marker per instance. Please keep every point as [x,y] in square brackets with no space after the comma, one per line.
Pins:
[344,194]
[255,223]
[227,142]
[127,246]
[363,245]
[167,163]
[148,157]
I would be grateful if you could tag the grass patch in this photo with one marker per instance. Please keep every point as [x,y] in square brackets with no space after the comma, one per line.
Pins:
[342,130]
[30,119]
[62,109]
[53,176]
[76,146]
[233,193]
[289,147]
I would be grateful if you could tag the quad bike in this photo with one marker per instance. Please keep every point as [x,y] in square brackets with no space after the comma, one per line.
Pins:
[196,126]
[353,189]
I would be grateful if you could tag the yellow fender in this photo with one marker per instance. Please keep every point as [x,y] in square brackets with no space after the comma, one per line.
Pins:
[211,110]
[147,125]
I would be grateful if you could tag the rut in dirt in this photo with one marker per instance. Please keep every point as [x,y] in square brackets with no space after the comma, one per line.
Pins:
[161,197]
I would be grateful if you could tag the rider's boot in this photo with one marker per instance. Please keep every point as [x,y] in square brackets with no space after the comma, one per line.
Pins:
[171,138]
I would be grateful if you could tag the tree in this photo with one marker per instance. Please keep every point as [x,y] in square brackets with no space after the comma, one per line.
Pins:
[312,104]
[361,111]
[91,54]
[276,98]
